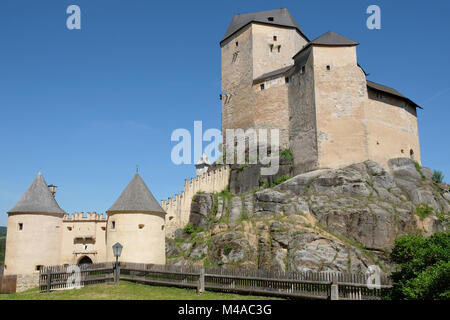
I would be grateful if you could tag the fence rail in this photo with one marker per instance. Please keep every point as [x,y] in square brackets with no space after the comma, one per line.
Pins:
[311,285]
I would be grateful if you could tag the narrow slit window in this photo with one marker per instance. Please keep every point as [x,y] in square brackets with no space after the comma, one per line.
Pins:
[271,48]
[237,43]
[286,79]
[261,86]
[328,68]
[113,224]
[303,69]
[20,226]
[274,38]
[279,48]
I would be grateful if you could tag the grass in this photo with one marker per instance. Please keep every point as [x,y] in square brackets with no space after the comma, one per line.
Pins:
[423,211]
[127,291]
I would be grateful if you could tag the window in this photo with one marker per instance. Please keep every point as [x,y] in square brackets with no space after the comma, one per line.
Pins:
[237,43]
[271,48]
[270,18]
[411,153]
[274,38]
[286,79]
[171,217]
[69,228]
[261,86]
[113,224]
[20,226]
[162,227]
[279,48]
[328,68]
[38,267]
[141,226]
[402,151]
[302,70]
[85,246]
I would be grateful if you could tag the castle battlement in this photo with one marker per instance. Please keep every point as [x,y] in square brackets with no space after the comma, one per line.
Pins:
[81,216]
[178,207]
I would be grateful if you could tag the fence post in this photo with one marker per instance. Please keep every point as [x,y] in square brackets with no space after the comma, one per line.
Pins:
[49,280]
[201,281]
[334,294]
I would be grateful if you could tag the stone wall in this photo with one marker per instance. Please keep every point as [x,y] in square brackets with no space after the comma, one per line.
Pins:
[245,57]
[178,208]
[302,113]
[387,117]
[340,97]
[83,235]
[27,281]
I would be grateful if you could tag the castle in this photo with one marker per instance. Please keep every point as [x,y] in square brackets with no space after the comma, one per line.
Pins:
[273,77]
[313,91]
[40,233]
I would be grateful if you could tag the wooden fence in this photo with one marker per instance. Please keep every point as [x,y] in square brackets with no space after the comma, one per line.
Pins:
[8,284]
[62,277]
[309,285]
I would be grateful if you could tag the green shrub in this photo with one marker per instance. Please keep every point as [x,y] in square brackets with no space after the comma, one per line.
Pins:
[280,180]
[287,154]
[227,249]
[189,228]
[438,176]
[423,267]
[423,210]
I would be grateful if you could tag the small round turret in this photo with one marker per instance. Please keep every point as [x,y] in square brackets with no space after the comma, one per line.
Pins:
[34,230]
[137,221]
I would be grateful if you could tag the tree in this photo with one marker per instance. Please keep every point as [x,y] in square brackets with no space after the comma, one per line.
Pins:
[423,267]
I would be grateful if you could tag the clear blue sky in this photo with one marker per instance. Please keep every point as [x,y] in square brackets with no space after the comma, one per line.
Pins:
[85,107]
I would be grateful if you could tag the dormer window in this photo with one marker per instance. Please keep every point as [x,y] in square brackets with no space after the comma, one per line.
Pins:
[270,18]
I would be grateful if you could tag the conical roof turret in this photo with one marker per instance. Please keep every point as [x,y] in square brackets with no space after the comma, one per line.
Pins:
[136,198]
[37,199]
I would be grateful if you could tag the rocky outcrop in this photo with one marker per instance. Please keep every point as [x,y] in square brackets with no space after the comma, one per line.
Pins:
[342,220]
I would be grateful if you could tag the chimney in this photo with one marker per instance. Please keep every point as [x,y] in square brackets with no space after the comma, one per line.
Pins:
[52,189]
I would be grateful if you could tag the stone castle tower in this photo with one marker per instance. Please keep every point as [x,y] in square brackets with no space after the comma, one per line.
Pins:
[314,92]
[136,220]
[34,232]
[40,233]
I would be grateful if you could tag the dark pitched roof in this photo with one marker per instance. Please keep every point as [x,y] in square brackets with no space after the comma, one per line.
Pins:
[136,198]
[332,38]
[382,88]
[272,74]
[281,17]
[37,199]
